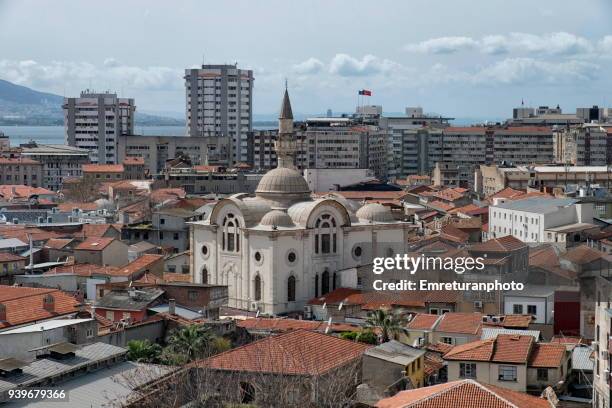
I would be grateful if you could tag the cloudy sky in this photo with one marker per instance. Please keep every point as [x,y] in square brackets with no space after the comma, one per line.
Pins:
[464,58]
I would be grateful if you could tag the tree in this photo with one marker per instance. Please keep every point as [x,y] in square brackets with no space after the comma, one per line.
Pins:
[189,343]
[388,322]
[143,351]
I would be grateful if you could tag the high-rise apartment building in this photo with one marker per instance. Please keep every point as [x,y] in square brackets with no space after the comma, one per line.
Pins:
[327,143]
[94,122]
[589,144]
[219,102]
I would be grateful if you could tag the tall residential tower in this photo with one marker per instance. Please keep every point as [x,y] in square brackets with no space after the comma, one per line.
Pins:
[219,102]
[94,122]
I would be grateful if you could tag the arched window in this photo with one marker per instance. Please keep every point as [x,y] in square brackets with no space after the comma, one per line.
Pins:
[291,289]
[317,285]
[326,235]
[325,283]
[257,288]
[231,234]
[335,281]
[204,275]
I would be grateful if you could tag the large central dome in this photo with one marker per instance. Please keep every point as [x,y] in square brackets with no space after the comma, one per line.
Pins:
[283,186]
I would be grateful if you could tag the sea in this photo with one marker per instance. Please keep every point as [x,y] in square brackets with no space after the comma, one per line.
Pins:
[55,134]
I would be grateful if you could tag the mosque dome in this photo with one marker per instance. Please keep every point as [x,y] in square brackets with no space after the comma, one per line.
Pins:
[277,218]
[375,212]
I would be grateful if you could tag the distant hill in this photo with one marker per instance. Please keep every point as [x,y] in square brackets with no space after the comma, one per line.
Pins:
[20,105]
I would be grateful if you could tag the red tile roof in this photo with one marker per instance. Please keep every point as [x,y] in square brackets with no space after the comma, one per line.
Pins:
[334,297]
[281,325]
[505,348]
[58,243]
[547,355]
[503,244]
[450,194]
[12,192]
[177,277]
[477,130]
[296,352]
[462,394]
[454,234]
[102,168]
[84,269]
[25,305]
[8,257]
[142,263]
[468,323]
[507,192]
[17,160]
[570,340]
[96,230]
[515,321]
[423,321]
[583,255]
[439,347]
[94,244]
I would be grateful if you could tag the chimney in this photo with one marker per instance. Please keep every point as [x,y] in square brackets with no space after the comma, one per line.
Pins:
[49,303]
[172,306]
[2,312]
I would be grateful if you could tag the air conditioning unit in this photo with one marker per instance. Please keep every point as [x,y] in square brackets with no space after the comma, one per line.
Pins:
[478,304]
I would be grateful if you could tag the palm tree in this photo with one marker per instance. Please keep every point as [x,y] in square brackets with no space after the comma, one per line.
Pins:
[190,343]
[388,322]
[143,351]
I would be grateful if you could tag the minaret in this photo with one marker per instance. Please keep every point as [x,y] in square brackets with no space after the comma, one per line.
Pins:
[286,145]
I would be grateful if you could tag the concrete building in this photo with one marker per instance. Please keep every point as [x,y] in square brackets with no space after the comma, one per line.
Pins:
[21,170]
[327,143]
[102,251]
[589,144]
[541,219]
[94,122]
[202,179]
[602,373]
[156,150]
[489,179]
[464,149]
[321,180]
[219,103]
[59,162]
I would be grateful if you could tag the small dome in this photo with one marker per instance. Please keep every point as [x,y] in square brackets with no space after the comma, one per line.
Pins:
[277,218]
[375,212]
[283,180]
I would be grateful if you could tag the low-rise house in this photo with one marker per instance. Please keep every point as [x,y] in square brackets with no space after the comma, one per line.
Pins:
[457,328]
[548,366]
[10,265]
[101,231]
[21,170]
[57,249]
[12,245]
[463,394]
[140,248]
[501,361]
[128,304]
[134,168]
[102,251]
[392,366]
[103,172]
[297,368]
[21,305]
[178,263]
[581,372]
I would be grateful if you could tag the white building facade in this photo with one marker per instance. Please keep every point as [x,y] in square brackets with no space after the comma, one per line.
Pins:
[278,248]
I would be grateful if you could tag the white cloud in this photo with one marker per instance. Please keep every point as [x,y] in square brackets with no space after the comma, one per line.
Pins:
[529,70]
[559,43]
[55,75]
[605,44]
[310,66]
[345,65]
[443,45]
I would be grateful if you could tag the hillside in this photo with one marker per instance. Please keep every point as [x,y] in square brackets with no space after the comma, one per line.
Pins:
[20,105]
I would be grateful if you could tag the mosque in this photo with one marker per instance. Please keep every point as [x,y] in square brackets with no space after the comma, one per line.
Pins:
[280,247]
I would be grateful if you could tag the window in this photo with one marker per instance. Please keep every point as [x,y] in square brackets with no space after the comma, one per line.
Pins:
[110,315]
[291,289]
[325,283]
[317,285]
[467,370]
[291,257]
[192,295]
[357,251]
[507,373]
[542,374]
[231,234]
[258,257]
[532,309]
[89,333]
[517,309]
[257,288]
[175,236]
[162,221]
[204,250]
[434,311]
[172,268]
[325,235]
[204,275]
[447,340]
